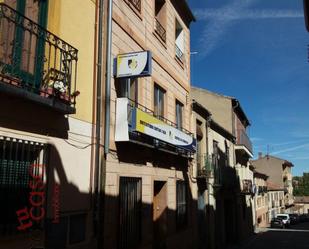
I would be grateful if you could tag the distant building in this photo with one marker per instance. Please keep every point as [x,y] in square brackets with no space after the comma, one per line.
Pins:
[280,176]
[261,199]
[224,149]
[302,204]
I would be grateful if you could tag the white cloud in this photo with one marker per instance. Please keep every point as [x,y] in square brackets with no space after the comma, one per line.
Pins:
[291,149]
[218,21]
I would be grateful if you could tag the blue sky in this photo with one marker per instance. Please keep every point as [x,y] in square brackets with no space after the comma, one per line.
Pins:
[256,51]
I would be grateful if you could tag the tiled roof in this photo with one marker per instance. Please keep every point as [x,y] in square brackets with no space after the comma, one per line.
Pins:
[301,199]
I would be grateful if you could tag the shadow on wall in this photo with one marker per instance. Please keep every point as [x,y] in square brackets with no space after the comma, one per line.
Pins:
[31,117]
[230,221]
[129,221]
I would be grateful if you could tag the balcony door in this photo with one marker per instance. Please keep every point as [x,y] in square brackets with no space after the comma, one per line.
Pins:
[22,46]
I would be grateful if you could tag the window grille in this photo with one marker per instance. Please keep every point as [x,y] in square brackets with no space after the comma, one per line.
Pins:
[16,158]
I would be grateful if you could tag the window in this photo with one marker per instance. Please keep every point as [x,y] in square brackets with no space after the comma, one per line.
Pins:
[181,202]
[160,19]
[159,101]
[179,109]
[20,162]
[179,41]
[127,87]
[130,203]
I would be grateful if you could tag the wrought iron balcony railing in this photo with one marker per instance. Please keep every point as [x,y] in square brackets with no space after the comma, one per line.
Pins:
[160,30]
[34,60]
[179,53]
[204,165]
[243,139]
[134,104]
[136,4]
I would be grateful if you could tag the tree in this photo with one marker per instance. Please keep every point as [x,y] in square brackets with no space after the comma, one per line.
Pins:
[301,185]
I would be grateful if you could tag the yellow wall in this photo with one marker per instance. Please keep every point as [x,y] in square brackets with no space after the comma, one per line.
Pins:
[74,22]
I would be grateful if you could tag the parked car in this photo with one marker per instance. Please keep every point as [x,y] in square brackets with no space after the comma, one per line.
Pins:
[276,223]
[303,218]
[285,219]
[294,218]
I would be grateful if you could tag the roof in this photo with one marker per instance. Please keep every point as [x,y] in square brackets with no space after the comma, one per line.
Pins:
[273,187]
[184,10]
[235,103]
[200,109]
[258,174]
[285,162]
[240,111]
[301,199]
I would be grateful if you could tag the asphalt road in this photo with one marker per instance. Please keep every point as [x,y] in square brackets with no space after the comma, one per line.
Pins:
[295,237]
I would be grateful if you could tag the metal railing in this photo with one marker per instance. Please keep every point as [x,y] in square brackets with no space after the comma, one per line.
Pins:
[243,139]
[34,59]
[204,165]
[136,4]
[134,104]
[160,30]
[262,189]
[179,53]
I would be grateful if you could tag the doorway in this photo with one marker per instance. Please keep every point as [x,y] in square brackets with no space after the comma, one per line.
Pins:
[160,214]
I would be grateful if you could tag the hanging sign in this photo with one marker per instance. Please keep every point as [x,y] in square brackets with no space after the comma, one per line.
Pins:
[137,64]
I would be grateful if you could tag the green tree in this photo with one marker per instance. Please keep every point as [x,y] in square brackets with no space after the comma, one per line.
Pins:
[301,185]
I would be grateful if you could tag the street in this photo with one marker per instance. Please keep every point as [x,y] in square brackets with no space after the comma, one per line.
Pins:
[296,237]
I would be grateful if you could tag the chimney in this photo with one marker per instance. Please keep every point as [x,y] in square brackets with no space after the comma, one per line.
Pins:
[260,155]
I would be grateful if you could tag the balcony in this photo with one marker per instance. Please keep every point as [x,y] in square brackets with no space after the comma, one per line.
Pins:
[35,64]
[160,30]
[262,190]
[205,167]
[136,4]
[243,142]
[246,186]
[136,123]
[179,54]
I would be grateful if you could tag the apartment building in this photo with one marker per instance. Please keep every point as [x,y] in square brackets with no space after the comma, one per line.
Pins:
[261,199]
[148,199]
[46,89]
[275,197]
[224,180]
[280,176]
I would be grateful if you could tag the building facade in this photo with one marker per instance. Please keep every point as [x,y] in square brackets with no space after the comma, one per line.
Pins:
[302,204]
[280,176]
[275,198]
[148,198]
[261,200]
[222,168]
[46,128]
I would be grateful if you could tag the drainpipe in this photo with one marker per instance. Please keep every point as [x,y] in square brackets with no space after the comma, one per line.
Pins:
[99,175]
[108,78]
